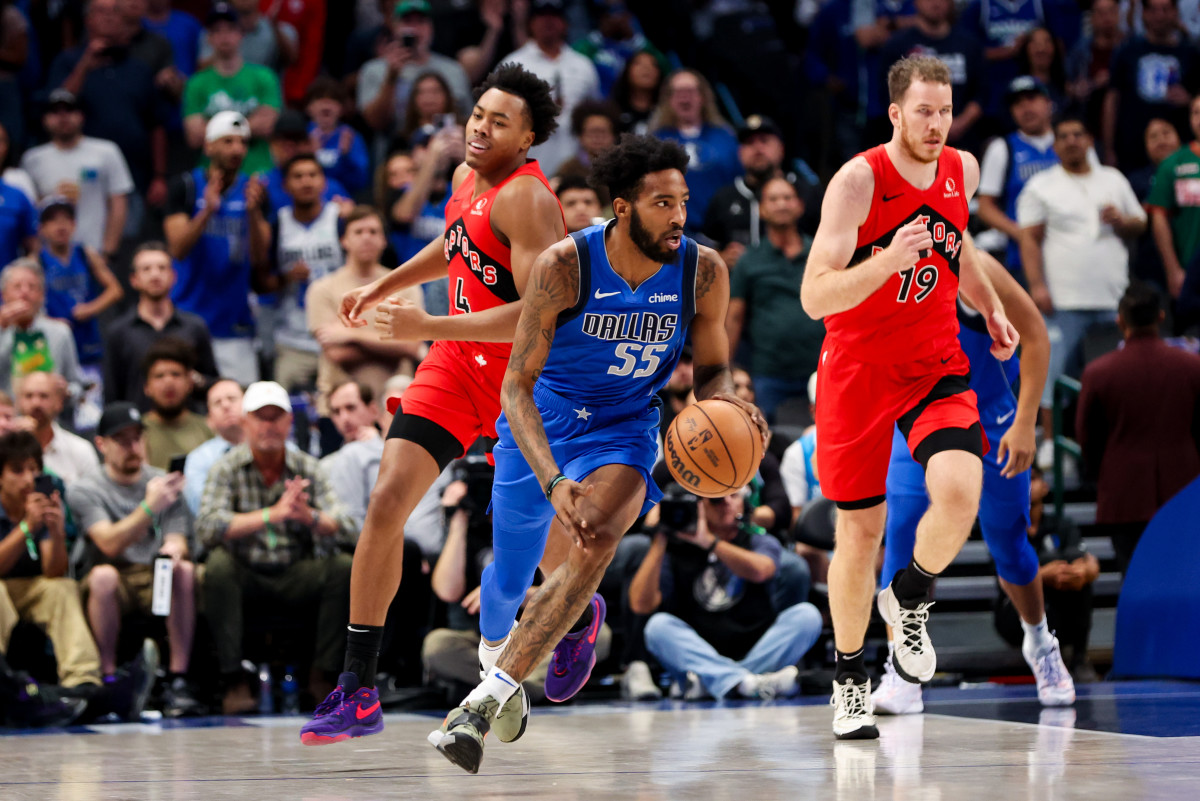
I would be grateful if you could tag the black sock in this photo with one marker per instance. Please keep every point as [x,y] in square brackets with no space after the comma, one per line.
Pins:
[584,621]
[912,585]
[362,653]
[850,666]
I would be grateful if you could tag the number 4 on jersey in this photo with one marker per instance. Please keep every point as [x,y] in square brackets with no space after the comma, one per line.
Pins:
[460,300]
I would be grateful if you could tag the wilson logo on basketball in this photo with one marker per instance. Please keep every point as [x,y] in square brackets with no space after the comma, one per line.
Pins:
[679,470]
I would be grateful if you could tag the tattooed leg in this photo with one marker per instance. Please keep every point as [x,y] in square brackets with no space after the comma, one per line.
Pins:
[611,509]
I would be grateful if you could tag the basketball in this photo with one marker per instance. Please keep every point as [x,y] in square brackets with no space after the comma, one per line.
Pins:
[713,448]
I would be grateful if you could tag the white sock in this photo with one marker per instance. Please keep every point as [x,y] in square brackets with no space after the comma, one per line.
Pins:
[497,684]
[1039,635]
[749,685]
[489,655]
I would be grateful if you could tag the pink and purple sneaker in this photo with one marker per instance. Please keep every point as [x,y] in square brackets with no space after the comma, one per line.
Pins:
[574,657]
[344,715]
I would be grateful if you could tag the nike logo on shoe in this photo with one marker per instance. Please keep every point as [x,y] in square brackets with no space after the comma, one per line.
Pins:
[602,295]
[361,713]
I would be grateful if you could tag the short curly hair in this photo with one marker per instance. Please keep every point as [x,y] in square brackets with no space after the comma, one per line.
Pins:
[540,106]
[622,169]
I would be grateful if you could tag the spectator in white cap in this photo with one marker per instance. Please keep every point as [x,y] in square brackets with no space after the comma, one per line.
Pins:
[276,532]
[231,84]
[208,217]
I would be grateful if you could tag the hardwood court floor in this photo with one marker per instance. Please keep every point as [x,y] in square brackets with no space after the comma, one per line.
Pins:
[741,752]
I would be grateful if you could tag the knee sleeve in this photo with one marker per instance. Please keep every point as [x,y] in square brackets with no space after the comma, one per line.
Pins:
[1016,561]
[903,514]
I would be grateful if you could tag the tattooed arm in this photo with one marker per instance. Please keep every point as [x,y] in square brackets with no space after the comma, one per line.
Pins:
[710,342]
[553,287]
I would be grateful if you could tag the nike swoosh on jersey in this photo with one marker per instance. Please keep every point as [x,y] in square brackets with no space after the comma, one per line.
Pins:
[1004,418]
[893,197]
[602,295]
[363,713]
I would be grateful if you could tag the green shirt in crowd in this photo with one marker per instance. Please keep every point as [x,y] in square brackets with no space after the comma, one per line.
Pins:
[178,437]
[1177,190]
[784,341]
[208,92]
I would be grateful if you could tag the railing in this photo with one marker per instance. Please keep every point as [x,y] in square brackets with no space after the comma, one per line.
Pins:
[1065,389]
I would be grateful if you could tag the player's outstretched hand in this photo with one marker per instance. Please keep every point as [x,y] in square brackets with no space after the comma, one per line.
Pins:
[1019,444]
[909,242]
[1004,336]
[565,498]
[356,303]
[750,409]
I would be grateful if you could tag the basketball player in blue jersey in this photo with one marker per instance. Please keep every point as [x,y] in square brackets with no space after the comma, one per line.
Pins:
[607,311]
[1008,419]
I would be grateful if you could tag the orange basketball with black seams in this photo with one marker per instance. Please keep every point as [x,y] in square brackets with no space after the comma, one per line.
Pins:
[713,448]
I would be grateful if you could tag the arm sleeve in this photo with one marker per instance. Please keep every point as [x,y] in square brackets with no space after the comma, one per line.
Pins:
[86,507]
[1162,193]
[216,504]
[120,182]
[794,475]
[176,519]
[993,167]
[1129,202]
[327,501]
[177,197]
[1031,208]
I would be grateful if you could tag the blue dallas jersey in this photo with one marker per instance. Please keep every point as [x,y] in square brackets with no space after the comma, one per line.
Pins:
[618,344]
[994,381]
[1024,162]
[69,284]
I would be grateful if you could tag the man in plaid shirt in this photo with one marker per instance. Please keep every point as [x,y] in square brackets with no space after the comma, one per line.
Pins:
[276,533]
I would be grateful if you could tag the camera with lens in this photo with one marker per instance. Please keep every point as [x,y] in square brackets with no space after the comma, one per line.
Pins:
[474,471]
[678,510]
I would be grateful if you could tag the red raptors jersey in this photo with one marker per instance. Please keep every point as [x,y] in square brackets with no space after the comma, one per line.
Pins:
[480,264]
[913,315]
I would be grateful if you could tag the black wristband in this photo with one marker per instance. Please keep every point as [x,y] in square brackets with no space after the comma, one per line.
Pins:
[552,483]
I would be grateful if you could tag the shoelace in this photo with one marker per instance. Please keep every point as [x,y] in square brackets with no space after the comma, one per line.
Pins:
[1050,665]
[332,701]
[855,697]
[912,622]
[560,669]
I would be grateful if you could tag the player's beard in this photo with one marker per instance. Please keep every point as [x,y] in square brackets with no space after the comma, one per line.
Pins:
[651,248]
[914,145]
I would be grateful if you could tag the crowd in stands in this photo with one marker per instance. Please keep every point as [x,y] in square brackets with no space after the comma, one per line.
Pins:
[189,188]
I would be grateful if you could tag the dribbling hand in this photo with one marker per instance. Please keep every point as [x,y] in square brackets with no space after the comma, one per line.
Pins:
[909,242]
[566,498]
[750,409]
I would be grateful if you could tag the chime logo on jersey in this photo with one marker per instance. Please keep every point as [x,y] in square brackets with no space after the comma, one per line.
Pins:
[631,326]
[456,239]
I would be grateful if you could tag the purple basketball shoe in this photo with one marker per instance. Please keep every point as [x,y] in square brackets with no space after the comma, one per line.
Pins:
[574,657]
[342,716]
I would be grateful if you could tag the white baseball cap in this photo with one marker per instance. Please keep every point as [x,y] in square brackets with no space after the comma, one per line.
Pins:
[265,393]
[227,123]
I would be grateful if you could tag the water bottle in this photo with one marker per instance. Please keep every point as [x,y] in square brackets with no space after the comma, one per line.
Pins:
[291,692]
[266,698]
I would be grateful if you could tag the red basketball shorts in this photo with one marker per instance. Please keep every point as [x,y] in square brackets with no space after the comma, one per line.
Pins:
[858,403]
[457,387]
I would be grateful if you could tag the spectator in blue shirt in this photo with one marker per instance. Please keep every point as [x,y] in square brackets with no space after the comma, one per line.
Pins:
[18,224]
[340,149]
[179,28]
[79,285]
[208,234]
[688,114]
[290,138]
